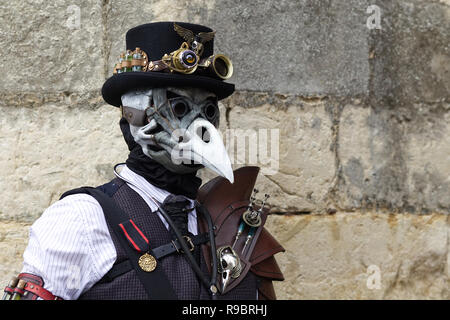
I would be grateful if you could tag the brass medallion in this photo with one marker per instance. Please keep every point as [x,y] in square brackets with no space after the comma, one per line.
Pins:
[147,262]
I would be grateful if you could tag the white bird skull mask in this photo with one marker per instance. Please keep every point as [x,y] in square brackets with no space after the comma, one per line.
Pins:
[177,127]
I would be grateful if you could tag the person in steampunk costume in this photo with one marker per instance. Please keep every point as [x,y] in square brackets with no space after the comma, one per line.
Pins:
[152,232]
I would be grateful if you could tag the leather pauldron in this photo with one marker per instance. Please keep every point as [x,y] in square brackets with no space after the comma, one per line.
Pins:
[226,203]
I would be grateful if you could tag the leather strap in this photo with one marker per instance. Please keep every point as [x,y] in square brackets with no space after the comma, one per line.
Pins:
[160,252]
[126,64]
[9,290]
[34,288]
[156,283]
[157,66]
[174,246]
[138,62]
[40,292]
[117,270]
[19,291]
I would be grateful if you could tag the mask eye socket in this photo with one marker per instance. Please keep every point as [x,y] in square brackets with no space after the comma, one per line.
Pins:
[211,111]
[179,107]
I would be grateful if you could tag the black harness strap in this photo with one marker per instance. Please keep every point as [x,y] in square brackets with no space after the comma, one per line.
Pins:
[117,270]
[174,246]
[160,252]
[156,283]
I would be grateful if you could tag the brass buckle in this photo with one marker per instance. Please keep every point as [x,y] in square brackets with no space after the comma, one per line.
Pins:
[189,242]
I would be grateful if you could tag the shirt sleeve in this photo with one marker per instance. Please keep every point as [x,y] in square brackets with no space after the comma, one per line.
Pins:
[70,246]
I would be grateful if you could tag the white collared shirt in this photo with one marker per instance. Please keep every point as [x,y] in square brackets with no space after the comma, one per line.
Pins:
[70,246]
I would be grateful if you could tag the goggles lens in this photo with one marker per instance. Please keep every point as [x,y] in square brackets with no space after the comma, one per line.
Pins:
[188,59]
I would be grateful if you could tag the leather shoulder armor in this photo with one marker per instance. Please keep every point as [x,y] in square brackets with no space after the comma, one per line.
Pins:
[226,204]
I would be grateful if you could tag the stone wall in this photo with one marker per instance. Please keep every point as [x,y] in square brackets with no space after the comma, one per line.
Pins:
[361,195]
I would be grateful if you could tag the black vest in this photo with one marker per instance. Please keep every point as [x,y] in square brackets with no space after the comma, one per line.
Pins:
[181,276]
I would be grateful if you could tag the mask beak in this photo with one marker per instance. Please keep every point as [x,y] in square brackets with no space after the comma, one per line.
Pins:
[225,279]
[202,143]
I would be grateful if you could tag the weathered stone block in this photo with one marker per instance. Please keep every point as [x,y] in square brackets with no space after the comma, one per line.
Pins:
[301,47]
[394,159]
[297,173]
[13,241]
[49,150]
[427,157]
[363,256]
[51,46]
[410,53]
[122,15]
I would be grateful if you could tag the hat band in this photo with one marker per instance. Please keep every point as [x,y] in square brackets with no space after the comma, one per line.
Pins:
[183,61]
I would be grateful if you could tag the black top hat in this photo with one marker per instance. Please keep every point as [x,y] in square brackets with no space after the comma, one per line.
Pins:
[156,40]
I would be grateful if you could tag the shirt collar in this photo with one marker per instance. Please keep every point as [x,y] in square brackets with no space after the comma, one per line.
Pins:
[157,193]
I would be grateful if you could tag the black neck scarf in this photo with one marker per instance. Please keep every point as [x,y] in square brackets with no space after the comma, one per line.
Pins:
[155,173]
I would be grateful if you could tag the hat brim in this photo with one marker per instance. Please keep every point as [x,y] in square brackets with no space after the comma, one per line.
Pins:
[118,84]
